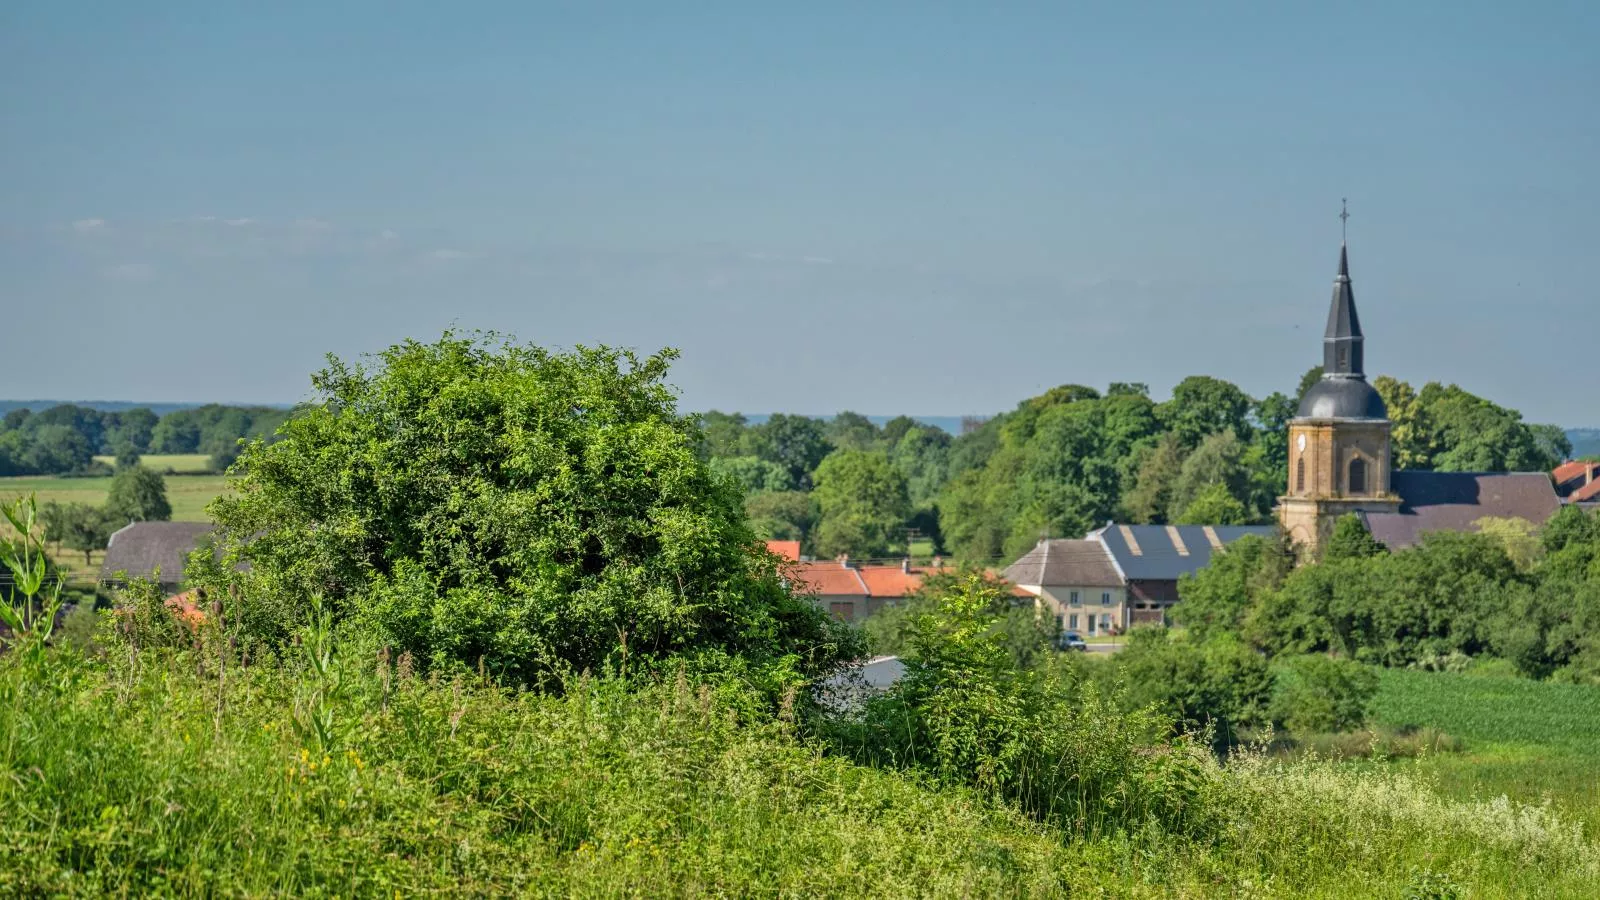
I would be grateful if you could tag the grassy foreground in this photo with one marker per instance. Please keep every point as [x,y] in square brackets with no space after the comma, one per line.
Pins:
[1532,741]
[169,773]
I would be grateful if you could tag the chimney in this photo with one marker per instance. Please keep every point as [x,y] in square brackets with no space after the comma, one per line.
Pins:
[844,560]
[905,565]
[938,562]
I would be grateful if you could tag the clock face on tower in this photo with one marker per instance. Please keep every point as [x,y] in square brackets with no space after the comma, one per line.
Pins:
[1301,444]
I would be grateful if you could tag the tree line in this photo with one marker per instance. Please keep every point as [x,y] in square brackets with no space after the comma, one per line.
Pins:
[65,439]
[1529,597]
[1064,462]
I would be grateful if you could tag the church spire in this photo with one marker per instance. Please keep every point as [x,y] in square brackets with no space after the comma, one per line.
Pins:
[1341,344]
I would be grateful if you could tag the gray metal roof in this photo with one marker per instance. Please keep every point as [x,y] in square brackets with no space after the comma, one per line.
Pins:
[1065,562]
[1343,392]
[141,547]
[1163,552]
[1342,397]
[1344,326]
[1452,501]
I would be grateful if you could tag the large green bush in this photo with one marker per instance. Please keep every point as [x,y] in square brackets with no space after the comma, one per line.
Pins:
[502,506]
[1321,694]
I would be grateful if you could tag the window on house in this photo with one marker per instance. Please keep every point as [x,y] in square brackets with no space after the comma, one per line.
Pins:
[1073,599]
[1300,475]
[842,611]
[1358,476]
[1105,598]
[1105,621]
[1072,621]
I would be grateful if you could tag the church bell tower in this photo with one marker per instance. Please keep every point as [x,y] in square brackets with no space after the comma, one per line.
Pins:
[1339,440]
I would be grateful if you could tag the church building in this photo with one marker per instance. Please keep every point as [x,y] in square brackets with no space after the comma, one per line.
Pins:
[1339,459]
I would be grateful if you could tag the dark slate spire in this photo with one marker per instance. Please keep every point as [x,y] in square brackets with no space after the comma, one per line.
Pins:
[1341,345]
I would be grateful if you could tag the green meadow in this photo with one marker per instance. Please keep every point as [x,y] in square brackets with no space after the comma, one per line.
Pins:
[1531,741]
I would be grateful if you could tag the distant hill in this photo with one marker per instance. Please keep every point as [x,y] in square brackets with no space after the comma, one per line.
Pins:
[1585,441]
[159,409]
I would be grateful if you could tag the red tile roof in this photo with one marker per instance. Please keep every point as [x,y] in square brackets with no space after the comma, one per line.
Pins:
[891,581]
[787,549]
[834,578]
[1590,491]
[830,578]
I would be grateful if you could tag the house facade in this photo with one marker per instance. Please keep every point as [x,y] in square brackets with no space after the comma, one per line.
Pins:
[1075,583]
[1119,576]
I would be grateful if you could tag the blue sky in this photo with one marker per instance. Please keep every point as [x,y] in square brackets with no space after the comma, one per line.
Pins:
[920,207]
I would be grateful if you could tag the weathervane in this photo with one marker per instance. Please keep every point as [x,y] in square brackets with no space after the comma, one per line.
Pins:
[1344,216]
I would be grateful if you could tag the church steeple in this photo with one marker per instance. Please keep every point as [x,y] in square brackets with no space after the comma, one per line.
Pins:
[1341,344]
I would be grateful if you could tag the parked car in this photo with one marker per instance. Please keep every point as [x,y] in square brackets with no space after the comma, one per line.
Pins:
[1071,640]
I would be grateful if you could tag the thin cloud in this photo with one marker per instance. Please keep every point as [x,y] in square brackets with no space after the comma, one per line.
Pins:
[88,226]
[135,271]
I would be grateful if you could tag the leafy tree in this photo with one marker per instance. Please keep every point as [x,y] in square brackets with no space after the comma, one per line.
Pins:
[1202,406]
[1320,694]
[1214,506]
[1552,441]
[1217,600]
[1271,415]
[86,529]
[1218,461]
[1476,435]
[753,473]
[922,457]
[1220,685]
[133,428]
[863,504]
[127,455]
[896,429]
[55,448]
[1152,493]
[724,433]
[137,494]
[1412,443]
[1128,389]
[1351,540]
[783,516]
[481,502]
[1311,377]
[1517,537]
[852,431]
[797,443]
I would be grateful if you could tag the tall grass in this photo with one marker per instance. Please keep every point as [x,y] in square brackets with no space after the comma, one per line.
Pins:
[153,771]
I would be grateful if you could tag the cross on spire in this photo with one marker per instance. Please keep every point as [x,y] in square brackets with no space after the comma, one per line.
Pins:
[1344,217]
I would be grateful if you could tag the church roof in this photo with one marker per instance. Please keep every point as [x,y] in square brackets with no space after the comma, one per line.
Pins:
[1453,501]
[1342,398]
[1164,552]
[1343,392]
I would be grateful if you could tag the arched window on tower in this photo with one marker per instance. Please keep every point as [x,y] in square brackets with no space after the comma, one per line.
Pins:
[1300,475]
[1358,476]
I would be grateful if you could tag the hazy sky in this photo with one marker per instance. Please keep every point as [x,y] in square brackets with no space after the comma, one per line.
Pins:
[922,207]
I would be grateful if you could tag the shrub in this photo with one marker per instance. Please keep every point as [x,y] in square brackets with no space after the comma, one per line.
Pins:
[499,504]
[1220,686]
[1039,737]
[1321,694]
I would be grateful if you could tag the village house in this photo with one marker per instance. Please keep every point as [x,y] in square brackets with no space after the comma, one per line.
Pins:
[1578,481]
[152,550]
[1119,576]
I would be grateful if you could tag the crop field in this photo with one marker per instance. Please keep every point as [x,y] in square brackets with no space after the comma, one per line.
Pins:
[170,463]
[188,494]
[1529,740]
